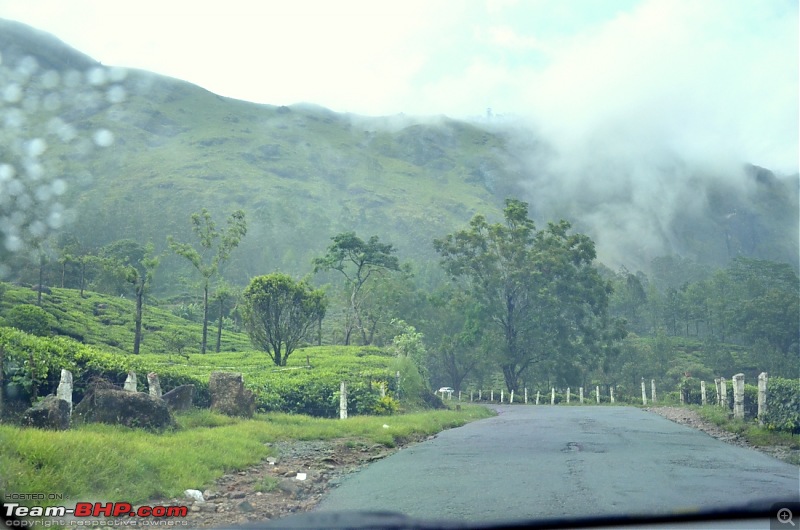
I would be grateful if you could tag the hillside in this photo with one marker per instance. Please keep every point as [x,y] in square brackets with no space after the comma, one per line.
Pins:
[303,173]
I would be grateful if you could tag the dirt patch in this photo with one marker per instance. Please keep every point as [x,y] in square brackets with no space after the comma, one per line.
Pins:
[693,419]
[294,481]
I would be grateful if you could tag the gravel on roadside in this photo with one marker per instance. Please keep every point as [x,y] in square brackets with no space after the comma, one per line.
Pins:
[693,419]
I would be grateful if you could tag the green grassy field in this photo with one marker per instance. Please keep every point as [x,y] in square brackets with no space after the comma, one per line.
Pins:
[117,463]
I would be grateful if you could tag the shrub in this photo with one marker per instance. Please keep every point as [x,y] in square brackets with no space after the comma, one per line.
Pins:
[386,405]
[783,405]
[30,319]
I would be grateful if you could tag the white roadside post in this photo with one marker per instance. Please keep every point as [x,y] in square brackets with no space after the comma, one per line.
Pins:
[762,397]
[511,397]
[567,394]
[64,390]
[342,400]
[644,393]
[723,387]
[597,393]
[653,390]
[501,395]
[703,392]
[611,394]
[526,395]
[153,385]
[580,394]
[130,382]
[738,396]
[552,395]
[537,397]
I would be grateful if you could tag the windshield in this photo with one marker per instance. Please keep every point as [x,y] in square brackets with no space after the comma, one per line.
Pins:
[483,261]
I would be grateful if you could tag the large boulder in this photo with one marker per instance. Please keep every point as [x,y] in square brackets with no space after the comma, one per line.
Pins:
[229,396]
[120,407]
[179,398]
[50,413]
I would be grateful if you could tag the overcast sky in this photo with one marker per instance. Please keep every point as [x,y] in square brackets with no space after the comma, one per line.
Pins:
[694,75]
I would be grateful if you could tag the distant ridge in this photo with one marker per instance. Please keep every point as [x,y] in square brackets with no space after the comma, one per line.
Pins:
[18,40]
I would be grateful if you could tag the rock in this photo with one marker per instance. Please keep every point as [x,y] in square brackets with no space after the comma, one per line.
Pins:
[289,486]
[43,288]
[245,506]
[210,494]
[236,495]
[229,396]
[194,495]
[179,398]
[120,407]
[50,413]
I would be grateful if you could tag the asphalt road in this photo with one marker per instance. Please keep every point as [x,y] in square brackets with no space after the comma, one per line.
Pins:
[544,461]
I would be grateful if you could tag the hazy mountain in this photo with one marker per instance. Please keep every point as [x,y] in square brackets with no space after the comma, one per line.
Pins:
[303,173]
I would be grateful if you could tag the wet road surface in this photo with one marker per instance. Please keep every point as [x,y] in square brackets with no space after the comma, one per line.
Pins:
[545,461]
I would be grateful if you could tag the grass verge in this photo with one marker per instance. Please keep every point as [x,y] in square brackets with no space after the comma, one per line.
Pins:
[754,434]
[112,463]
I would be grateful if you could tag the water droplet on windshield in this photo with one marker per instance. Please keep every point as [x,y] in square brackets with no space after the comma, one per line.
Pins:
[12,93]
[103,137]
[13,243]
[96,76]
[36,147]
[116,94]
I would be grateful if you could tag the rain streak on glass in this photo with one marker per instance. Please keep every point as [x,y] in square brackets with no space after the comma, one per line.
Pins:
[44,115]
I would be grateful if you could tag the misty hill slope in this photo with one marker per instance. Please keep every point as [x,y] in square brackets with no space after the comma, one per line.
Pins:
[304,173]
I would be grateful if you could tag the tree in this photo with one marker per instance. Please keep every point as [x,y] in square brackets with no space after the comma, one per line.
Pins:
[224,298]
[456,330]
[538,289]
[279,313]
[358,261]
[136,265]
[72,251]
[215,248]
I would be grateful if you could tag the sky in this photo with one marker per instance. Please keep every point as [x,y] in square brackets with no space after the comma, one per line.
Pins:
[692,74]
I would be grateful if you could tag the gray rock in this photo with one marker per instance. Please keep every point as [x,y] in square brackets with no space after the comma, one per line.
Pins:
[119,407]
[245,506]
[179,398]
[50,413]
[289,486]
[229,396]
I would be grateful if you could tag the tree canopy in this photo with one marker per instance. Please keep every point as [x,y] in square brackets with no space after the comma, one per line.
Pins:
[279,313]
[358,261]
[215,248]
[536,288]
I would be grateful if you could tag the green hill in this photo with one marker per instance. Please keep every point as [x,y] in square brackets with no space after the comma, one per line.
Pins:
[303,173]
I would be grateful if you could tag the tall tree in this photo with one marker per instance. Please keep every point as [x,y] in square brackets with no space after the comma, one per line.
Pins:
[537,288]
[456,329]
[358,261]
[136,265]
[279,313]
[225,299]
[215,249]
